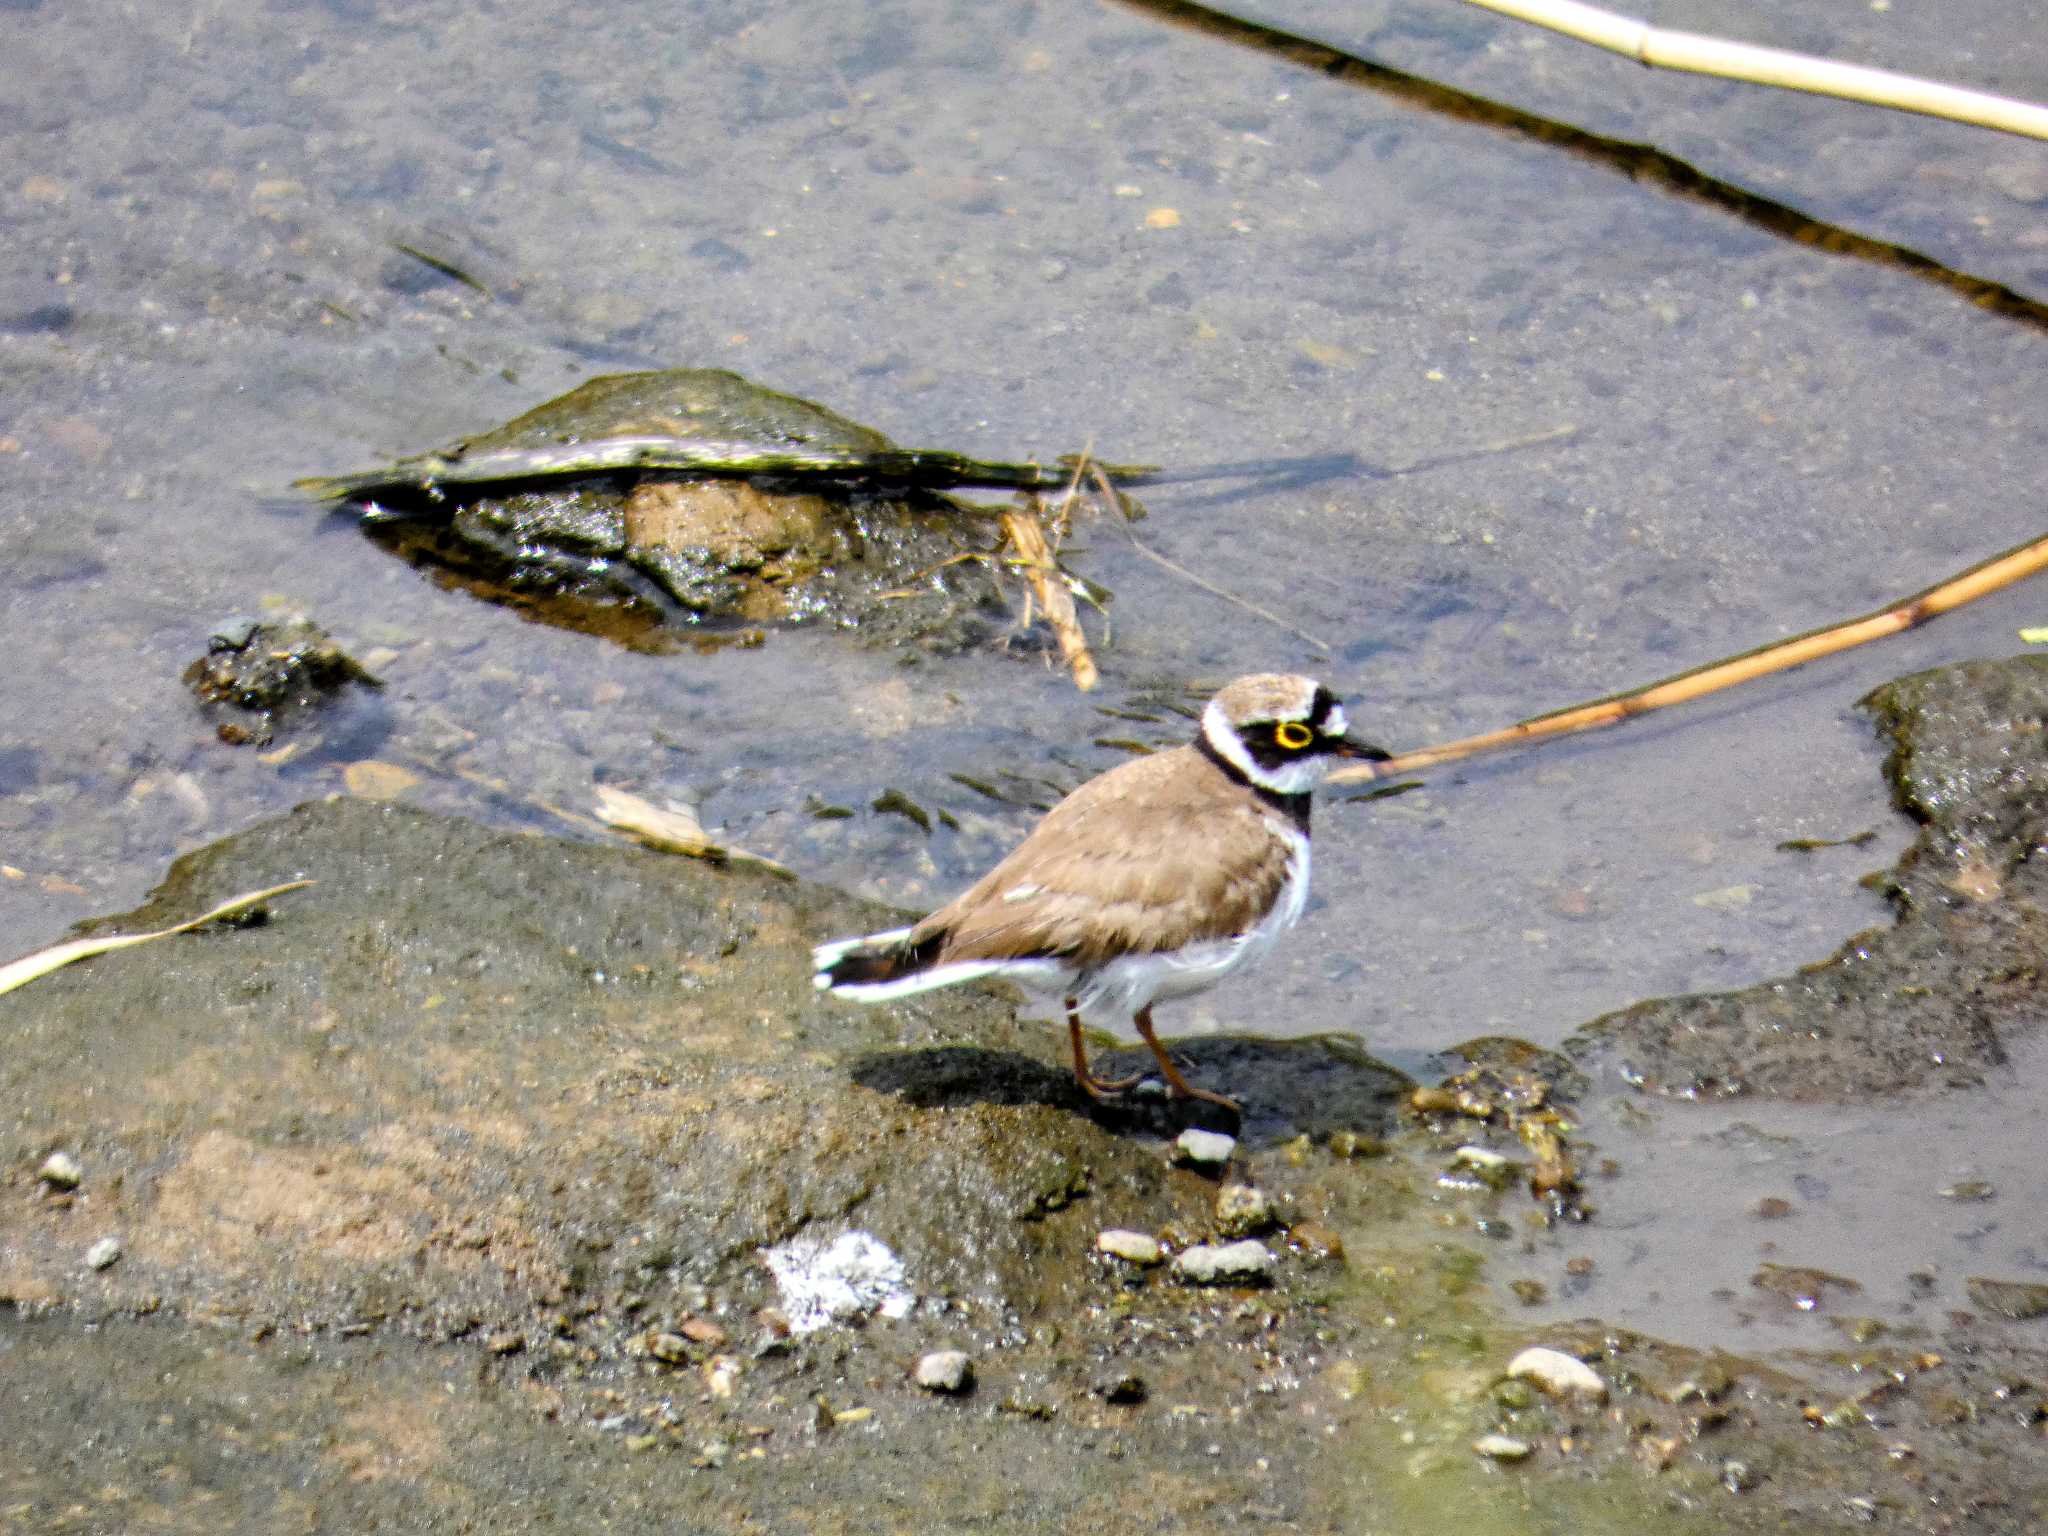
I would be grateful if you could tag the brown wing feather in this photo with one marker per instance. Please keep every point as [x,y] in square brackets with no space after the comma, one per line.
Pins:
[1125,864]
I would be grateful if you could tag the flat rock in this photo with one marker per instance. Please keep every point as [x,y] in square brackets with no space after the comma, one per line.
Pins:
[468,1077]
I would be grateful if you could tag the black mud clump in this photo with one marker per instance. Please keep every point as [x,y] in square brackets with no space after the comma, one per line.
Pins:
[1934,999]
[259,680]
[567,514]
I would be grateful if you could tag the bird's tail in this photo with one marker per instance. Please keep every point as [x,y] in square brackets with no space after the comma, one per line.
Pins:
[885,965]
[874,960]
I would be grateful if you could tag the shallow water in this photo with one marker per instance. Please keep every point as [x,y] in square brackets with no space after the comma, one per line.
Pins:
[1020,231]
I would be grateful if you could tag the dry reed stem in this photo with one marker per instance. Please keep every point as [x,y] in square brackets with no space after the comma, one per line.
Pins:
[19,973]
[1978,581]
[1699,55]
[1033,556]
[673,828]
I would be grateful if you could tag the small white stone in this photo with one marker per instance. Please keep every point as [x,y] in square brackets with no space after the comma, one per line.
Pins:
[1559,1374]
[721,1375]
[944,1370]
[1502,1447]
[1223,1263]
[1483,1158]
[60,1170]
[1205,1149]
[1132,1247]
[104,1253]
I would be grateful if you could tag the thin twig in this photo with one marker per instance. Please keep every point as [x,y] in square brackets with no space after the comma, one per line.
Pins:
[1943,597]
[1110,495]
[1695,54]
[1482,451]
[19,973]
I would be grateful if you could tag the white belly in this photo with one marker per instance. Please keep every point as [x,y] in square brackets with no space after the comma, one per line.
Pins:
[1125,985]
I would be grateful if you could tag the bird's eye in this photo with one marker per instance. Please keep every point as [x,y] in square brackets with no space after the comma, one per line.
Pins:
[1293,735]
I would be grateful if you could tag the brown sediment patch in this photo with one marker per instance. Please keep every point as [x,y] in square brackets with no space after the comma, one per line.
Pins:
[232,1203]
[401,1437]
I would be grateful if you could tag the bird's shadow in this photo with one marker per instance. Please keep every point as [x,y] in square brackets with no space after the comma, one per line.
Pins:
[1289,1088]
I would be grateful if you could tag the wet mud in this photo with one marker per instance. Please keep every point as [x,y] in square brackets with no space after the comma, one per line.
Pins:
[1937,998]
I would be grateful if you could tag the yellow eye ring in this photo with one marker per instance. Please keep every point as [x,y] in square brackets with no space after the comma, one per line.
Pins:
[1293,735]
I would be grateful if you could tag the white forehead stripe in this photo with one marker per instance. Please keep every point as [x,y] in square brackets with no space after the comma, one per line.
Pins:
[1218,732]
[1334,723]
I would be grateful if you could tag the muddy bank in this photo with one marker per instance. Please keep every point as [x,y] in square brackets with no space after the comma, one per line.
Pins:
[1934,999]
[448,1195]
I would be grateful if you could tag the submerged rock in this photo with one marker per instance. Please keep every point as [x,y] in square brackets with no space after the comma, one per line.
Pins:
[2017,1300]
[259,679]
[1502,1448]
[641,502]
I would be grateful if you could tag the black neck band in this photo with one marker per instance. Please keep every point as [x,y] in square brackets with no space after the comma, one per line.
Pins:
[1294,807]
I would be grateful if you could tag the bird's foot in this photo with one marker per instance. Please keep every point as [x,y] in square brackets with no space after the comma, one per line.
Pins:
[1103,1089]
[1180,1088]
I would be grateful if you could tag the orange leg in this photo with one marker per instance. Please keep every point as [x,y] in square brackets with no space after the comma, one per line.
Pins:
[1180,1087]
[1094,1086]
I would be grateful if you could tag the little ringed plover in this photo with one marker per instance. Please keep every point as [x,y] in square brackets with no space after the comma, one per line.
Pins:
[1153,880]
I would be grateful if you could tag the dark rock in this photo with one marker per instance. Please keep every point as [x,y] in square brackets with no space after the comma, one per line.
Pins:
[258,679]
[441,1060]
[553,513]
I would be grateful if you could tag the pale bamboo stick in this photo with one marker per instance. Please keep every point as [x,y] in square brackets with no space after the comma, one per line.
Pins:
[1700,55]
[1780,655]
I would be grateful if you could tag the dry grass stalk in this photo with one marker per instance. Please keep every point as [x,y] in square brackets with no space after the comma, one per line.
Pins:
[1779,656]
[1032,553]
[1699,55]
[19,973]
[674,828]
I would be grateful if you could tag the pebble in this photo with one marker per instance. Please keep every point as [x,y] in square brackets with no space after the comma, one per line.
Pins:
[1132,1247]
[721,1376]
[1222,1263]
[1204,1149]
[1243,1210]
[60,1170]
[1559,1374]
[104,1254]
[1502,1447]
[669,1348]
[944,1370]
